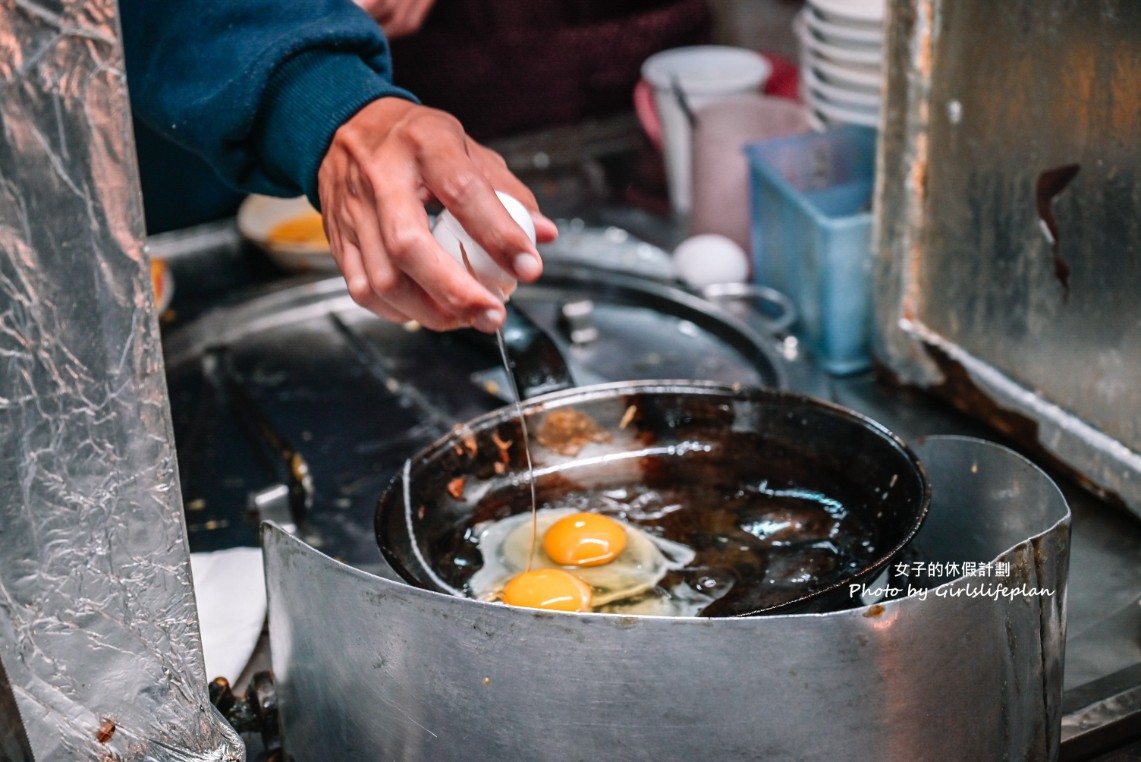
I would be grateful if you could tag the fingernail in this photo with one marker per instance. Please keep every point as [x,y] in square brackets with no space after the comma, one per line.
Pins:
[488,321]
[527,266]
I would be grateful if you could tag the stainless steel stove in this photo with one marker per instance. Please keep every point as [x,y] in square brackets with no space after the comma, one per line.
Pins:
[297,373]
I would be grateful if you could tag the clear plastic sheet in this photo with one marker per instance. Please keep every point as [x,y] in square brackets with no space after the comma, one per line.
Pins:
[98,631]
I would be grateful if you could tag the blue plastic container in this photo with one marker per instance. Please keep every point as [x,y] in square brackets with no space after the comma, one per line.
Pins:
[811,236]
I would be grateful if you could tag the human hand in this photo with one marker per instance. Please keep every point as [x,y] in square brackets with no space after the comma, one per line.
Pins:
[383,166]
[398,18]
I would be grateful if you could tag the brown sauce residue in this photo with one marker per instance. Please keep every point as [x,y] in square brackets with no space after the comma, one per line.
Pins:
[503,446]
[105,730]
[568,431]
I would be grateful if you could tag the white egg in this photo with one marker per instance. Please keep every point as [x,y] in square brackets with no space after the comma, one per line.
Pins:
[625,585]
[451,236]
[710,258]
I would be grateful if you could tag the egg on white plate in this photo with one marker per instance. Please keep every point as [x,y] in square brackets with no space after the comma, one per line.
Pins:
[290,232]
[620,563]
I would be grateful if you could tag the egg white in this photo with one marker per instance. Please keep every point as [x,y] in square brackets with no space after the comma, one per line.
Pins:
[505,544]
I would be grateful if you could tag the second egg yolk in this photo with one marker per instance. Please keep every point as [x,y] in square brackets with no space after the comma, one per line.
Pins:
[550,589]
[584,539]
[306,230]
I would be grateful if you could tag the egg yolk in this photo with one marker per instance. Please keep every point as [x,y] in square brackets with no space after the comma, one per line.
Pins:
[307,230]
[584,539]
[551,589]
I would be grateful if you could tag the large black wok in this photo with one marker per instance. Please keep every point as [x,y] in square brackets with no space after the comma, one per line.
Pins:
[724,450]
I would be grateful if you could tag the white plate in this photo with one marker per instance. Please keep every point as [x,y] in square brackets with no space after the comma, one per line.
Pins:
[846,114]
[848,78]
[816,122]
[259,215]
[867,12]
[869,59]
[835,115]
[816,101]
[843,34]
[838,94]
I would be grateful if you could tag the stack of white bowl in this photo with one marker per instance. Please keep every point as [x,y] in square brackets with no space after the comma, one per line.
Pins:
[841,61]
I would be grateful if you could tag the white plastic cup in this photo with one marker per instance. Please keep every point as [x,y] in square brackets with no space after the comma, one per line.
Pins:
[704,74]
[720,201]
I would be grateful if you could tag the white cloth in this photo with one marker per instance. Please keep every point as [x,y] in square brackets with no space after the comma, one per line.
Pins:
[229,586]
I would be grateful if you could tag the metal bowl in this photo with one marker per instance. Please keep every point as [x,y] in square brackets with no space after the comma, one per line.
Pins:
[678,437]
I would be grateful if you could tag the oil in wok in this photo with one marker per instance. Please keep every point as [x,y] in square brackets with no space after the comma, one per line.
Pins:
[725,548]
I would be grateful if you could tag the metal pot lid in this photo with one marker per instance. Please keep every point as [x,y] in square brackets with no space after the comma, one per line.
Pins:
[298,405]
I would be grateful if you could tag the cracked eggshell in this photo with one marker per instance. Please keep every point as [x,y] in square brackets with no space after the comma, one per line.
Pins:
[450,235]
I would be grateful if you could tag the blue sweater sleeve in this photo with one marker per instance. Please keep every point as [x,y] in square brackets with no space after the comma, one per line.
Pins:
[255,87]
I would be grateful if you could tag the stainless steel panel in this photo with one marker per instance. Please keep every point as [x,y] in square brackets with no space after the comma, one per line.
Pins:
[1001,287]
[371,668]
[98,630]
